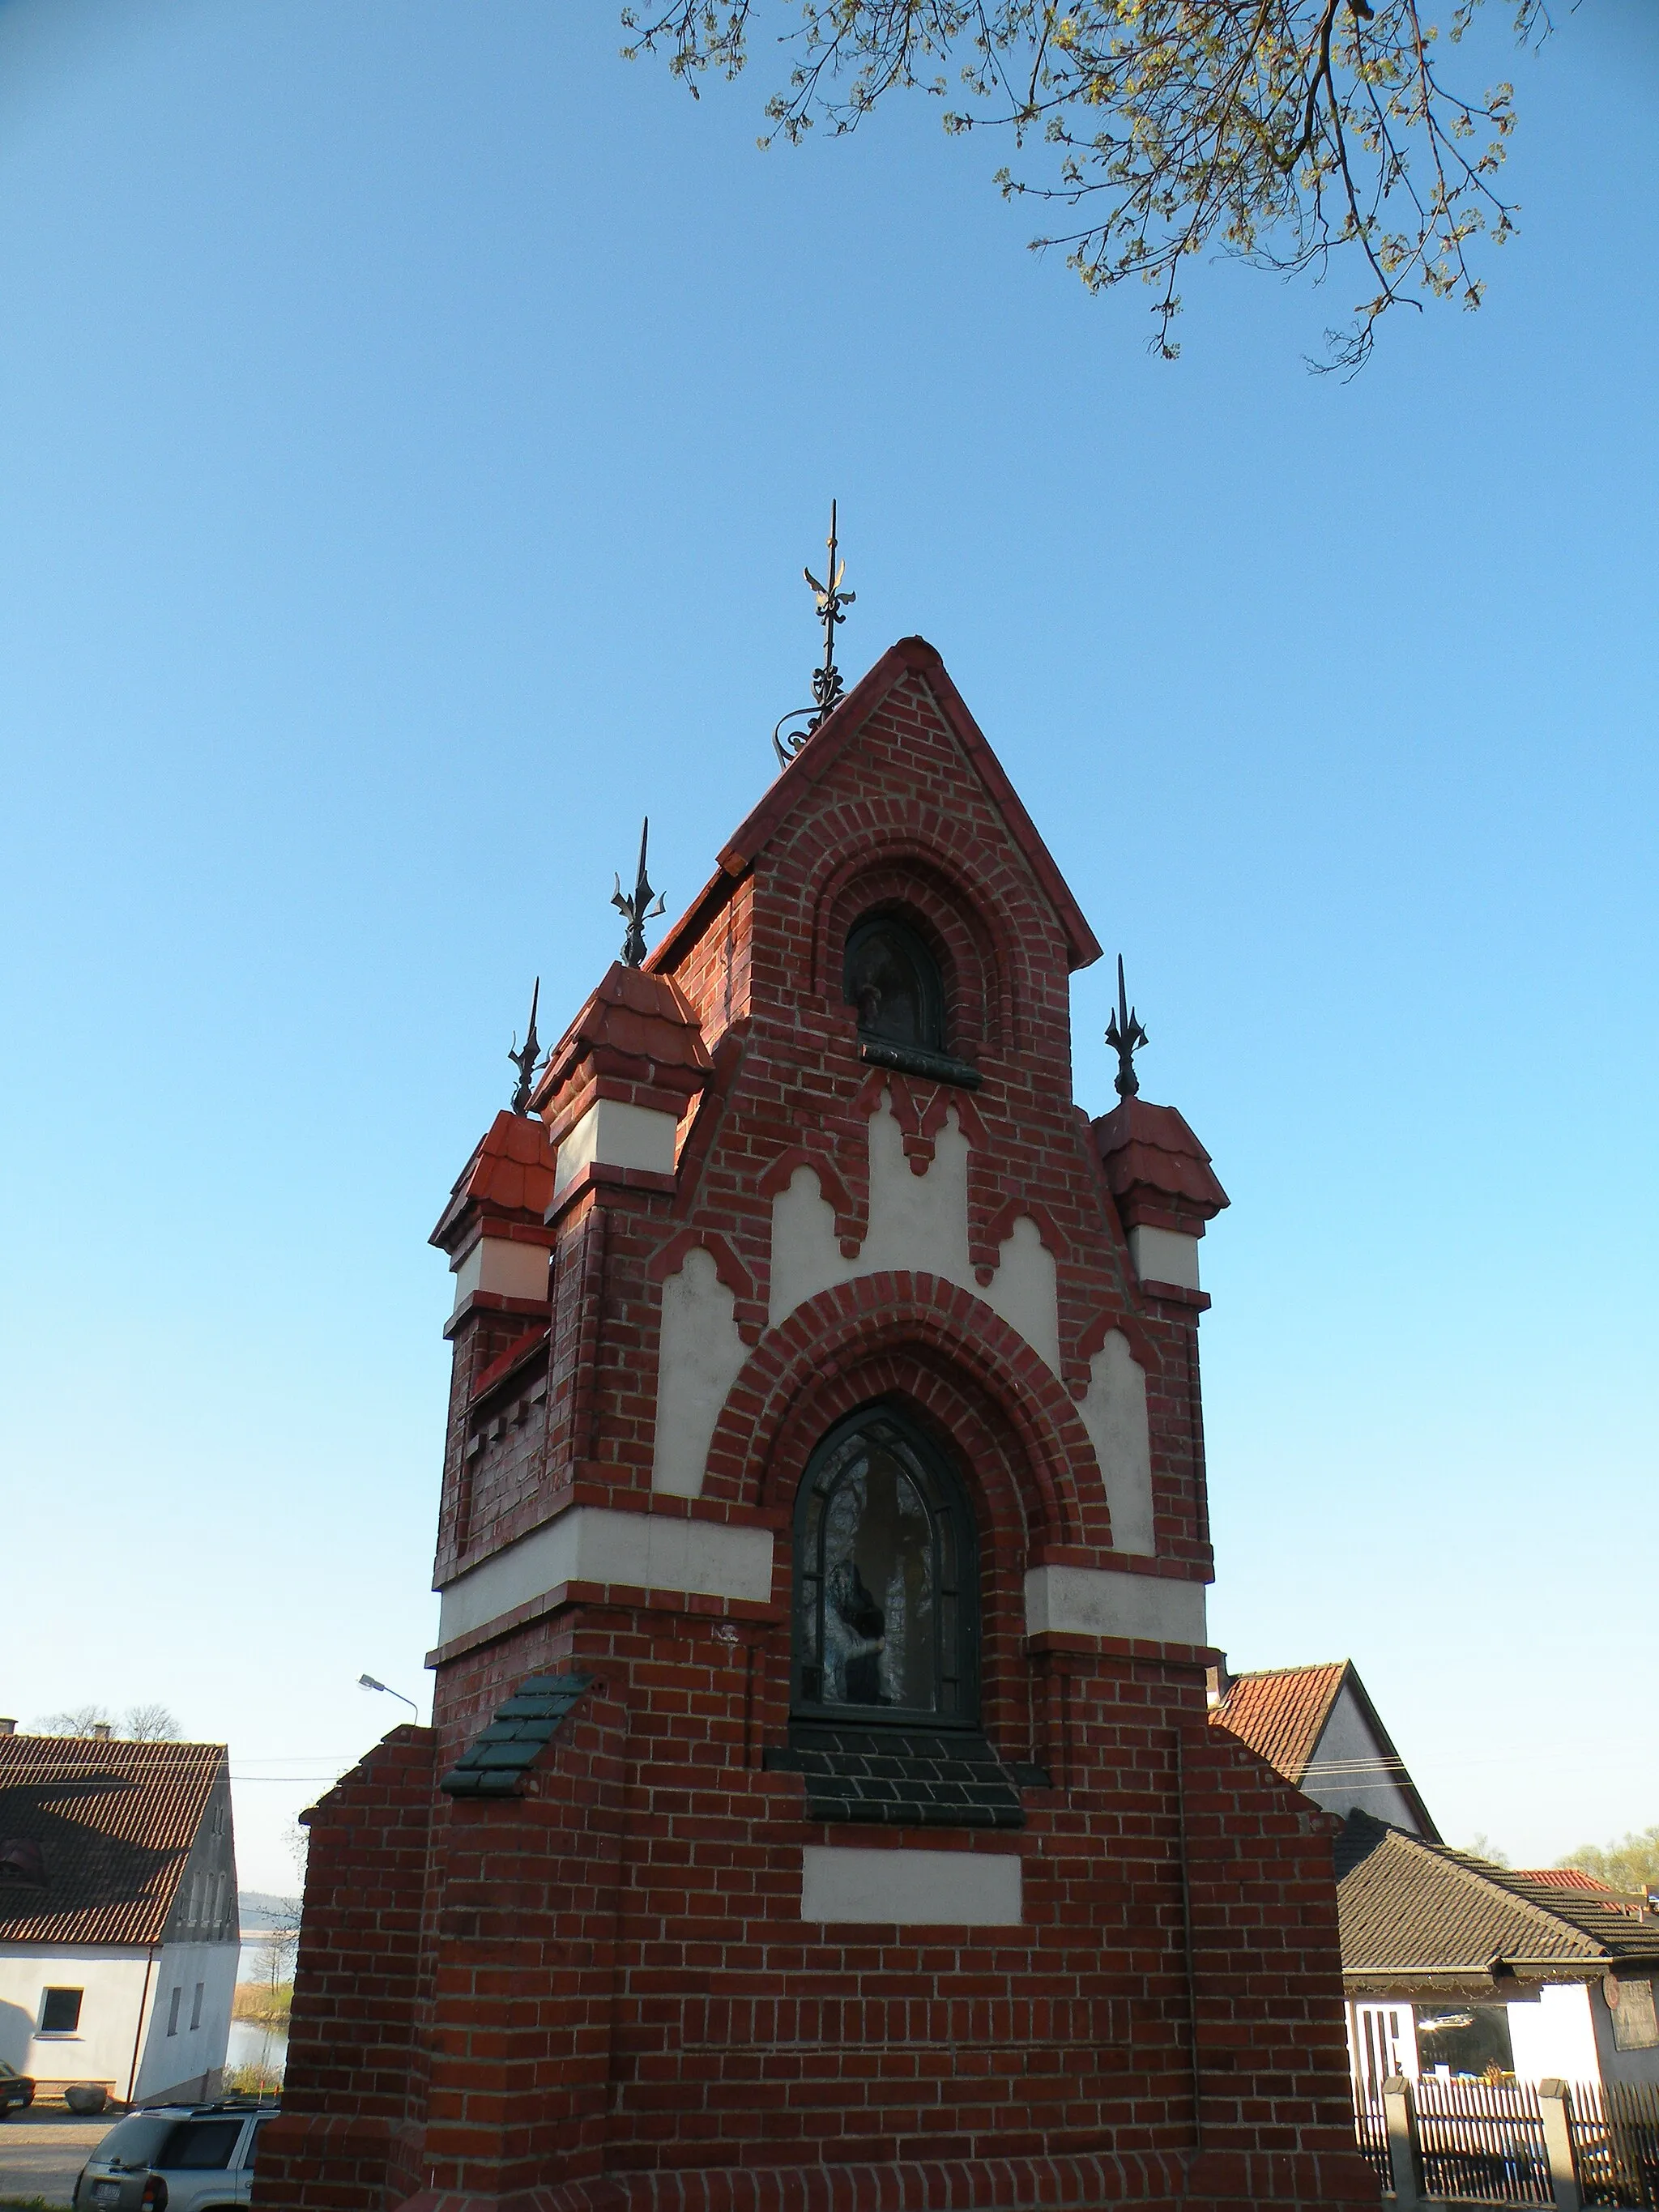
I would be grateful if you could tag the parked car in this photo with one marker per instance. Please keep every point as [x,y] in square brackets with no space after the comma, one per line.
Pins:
[175,2158]
[16,2091]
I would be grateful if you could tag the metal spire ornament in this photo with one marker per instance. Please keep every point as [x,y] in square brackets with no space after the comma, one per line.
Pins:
[524,1057]
[636,906]
[827,690]
[1126,1036]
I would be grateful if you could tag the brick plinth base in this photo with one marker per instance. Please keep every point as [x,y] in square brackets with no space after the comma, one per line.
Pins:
[1218,2181]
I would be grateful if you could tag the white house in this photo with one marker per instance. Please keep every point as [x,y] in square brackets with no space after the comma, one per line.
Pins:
[1451,1965]
[118,1913]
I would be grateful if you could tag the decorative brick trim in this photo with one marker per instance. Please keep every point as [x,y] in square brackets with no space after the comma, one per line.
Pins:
[806,1357]
[1094,1336]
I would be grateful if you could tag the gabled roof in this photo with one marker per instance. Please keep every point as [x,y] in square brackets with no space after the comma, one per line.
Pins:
[910,657]
[1281,1713]
[1411,1908]
[112,1825]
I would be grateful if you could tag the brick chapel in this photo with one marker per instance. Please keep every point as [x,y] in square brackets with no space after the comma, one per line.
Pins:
[819,1812]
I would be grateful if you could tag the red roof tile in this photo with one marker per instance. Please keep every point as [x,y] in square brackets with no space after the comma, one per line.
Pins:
[1281,1714]
[636,1023]
[114,1824]
[511,1174]
[1564,1878]
[1149,1153]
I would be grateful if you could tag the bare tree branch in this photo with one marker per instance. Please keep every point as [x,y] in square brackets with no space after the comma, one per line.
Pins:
[1275,131]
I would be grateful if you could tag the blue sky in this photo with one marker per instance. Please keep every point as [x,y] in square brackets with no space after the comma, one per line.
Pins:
[413,420]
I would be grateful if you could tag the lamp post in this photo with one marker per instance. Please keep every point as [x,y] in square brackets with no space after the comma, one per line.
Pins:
[369,1682]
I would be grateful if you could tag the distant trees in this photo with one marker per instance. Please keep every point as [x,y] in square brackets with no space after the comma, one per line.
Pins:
[1279,133]
[1633,1862]
[151,1723]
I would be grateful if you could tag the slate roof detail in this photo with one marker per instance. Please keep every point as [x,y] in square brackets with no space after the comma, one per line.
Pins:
[902,1777]
[109,1827]
[1409,1908]
[496,1763]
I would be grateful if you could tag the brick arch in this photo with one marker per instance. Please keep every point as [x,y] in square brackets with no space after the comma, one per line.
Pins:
[959,1366]
[972,898]
[913,887]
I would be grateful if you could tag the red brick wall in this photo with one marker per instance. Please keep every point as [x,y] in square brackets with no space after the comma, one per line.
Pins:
[613,1995]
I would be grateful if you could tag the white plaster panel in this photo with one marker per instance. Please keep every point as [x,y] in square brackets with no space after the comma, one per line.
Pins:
[1095,1601]
[620,1135]
[502,1265]
[917,1223]
[1115,1413]
[701,1357]
[937,1889]
[1163,1255]
[1025,1290]
[594,1544]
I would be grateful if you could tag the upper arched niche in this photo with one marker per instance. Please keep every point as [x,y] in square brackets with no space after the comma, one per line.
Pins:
[972,947]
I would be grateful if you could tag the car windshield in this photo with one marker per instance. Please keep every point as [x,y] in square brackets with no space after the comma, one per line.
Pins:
[134,2141]
[9,2072]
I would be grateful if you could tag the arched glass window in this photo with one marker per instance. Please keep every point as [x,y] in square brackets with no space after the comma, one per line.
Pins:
[886,1579]
[893,979]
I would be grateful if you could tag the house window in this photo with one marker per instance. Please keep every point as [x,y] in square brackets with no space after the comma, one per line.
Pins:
[196,2006]
[60,2011]
[172,2011]
[886,1617]
[893,979]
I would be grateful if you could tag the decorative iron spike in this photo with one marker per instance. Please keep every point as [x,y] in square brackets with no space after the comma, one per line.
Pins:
[637,906]
[827,687]
[524,1058]
[1126,1036]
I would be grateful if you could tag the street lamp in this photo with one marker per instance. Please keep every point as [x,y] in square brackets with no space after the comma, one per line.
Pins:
[369,1682]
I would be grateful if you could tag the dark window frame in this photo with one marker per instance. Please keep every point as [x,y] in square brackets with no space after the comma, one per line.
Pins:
[908,941]
[50,2026]
[956,1568]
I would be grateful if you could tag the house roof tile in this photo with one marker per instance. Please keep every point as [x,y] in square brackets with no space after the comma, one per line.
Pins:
[114,1824]
[1281,1714]
[1411,1907]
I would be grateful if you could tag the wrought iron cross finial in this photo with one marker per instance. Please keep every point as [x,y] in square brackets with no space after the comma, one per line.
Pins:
[1126,1036]
[524,1057]
[636,906]
[827,689]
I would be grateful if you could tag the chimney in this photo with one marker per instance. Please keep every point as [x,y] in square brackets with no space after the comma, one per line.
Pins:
[100,1731]
[1217,1680]
[8,1727]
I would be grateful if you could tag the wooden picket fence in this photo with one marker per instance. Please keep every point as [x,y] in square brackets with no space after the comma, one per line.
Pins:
[1477,2142]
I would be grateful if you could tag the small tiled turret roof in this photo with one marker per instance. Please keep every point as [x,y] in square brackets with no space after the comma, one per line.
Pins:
[1159,1173]
[636,1026]
[510,1175]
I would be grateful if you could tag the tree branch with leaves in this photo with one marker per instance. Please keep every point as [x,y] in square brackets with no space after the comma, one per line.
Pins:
[1277,133]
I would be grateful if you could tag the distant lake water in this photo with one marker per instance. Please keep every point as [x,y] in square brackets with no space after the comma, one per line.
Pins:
[251,2045]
